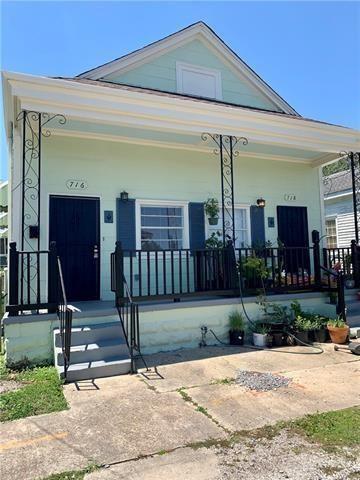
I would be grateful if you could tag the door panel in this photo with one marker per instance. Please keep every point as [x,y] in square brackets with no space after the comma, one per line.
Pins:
[74,226]
[293,232]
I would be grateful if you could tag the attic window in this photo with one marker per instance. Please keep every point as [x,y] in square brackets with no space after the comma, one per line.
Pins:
[198,81]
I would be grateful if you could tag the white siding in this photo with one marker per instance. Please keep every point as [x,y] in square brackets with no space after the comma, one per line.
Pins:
[345,229]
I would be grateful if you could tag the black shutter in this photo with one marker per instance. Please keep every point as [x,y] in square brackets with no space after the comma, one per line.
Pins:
[196,225]
[125,219]
[257,220]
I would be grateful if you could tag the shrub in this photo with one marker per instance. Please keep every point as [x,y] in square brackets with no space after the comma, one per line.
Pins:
[236,321]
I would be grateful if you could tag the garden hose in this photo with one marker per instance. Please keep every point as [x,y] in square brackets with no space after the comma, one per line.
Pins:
[318,350]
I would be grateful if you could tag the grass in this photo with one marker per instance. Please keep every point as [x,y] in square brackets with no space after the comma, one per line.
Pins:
[337,428]
[41,393]
[73,474]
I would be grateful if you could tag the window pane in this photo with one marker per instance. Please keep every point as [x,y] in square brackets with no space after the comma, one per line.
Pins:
[331,233]
[161,227]
[241,228]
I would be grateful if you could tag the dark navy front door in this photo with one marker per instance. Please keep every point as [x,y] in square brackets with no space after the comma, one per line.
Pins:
[293,232]
[74,226]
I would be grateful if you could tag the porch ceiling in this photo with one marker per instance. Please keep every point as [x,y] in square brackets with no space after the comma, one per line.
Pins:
[190,141]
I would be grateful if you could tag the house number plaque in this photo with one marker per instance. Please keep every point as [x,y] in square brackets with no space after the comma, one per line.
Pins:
[74,184]
[290,197]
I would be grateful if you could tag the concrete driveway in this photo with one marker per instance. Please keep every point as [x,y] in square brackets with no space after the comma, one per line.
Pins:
[119,420]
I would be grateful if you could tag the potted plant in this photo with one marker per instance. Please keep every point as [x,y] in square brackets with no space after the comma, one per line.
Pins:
[302,325]
[261,337]
[319,331]
[338,330]
[212,210]
[237,330]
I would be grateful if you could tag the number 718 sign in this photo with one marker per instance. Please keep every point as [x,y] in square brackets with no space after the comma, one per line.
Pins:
[74,184]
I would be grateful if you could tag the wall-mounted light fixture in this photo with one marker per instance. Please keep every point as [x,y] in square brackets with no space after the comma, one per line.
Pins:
[260,202]
[124,196]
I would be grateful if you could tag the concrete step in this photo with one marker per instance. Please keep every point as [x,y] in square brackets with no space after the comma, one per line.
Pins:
[90,352]
[97,369]
[91,333]
[96,351]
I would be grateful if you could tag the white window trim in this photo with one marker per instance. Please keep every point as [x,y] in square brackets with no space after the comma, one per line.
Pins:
[248,221]
[333,217]
[181,66]
[159,203]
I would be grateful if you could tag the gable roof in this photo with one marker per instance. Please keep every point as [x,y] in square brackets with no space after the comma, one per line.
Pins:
[199,31]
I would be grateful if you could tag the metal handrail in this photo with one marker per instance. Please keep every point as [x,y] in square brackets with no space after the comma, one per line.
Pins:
[64,313]
[340,286]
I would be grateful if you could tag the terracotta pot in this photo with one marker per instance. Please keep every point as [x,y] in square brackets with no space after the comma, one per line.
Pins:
[338,334]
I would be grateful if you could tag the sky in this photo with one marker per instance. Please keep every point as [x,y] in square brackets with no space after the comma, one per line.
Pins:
[309,52]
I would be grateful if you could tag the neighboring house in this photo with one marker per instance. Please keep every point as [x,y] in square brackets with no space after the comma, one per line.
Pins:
[339,209]
[3,223]
[125,156]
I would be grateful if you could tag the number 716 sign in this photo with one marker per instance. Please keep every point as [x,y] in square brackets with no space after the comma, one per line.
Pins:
[74,184]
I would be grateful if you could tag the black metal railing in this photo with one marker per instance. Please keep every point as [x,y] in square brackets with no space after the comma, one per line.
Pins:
[64,313]
[277,269]
[340,258]
[173,273]
[33,282]
[336,283]
[128,309]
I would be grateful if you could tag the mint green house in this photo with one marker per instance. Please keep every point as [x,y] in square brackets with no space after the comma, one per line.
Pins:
[130,152]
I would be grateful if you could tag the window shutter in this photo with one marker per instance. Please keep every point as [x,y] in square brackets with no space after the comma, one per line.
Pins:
[257,220]
[125,228]
[196,225]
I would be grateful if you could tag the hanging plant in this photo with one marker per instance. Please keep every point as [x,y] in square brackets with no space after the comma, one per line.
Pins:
[212,209]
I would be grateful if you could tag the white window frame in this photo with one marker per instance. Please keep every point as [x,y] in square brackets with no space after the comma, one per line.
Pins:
[162,203]
[216,74]
[219,226]
[332,217]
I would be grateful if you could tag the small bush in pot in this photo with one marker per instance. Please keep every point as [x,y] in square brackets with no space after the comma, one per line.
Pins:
[261,337]
[319,330]
[212,210]
[237,328]
[302,326]
[338,330]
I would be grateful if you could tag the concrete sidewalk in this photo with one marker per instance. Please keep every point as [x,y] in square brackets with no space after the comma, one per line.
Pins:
[121,419]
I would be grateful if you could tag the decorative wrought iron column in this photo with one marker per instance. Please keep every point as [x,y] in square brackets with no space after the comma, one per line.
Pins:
[226,149]
[33,130]
[354,160]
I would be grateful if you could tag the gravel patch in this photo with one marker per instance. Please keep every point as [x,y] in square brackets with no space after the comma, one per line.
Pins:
[287,456]
[261,382]
[8,385]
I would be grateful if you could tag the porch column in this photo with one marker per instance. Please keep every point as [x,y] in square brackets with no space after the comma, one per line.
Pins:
[354,160]
[32,131]
[226,150]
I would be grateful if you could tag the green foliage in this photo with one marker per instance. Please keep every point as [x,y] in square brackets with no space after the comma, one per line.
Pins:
[211,207]
[336,322]
[339,166]
[41,393]
[73,474]
[274,312]
[302,324]
[305,321]
[236,321]
[256,267]
[261,328]
[214,241]
[332,428]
